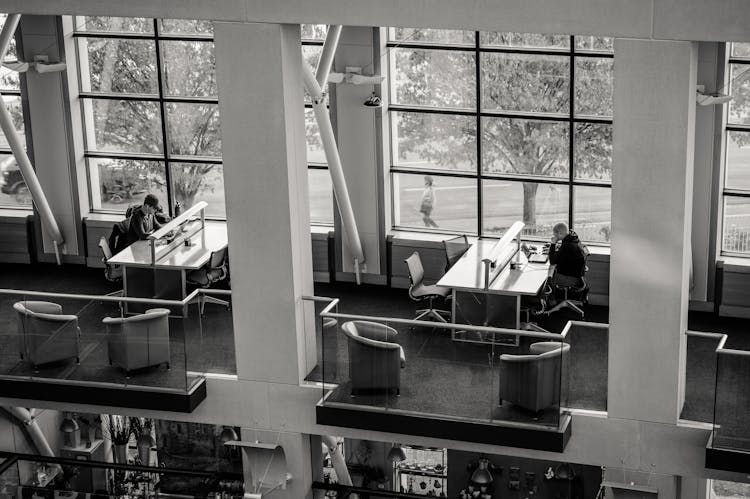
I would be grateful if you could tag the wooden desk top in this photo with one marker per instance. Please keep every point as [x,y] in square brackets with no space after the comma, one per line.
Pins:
[467,274]
[213,237]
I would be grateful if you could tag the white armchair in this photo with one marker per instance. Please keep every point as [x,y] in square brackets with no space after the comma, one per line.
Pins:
[139,341]
[46,334]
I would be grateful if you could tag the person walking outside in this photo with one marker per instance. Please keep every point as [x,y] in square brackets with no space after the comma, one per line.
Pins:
[427,203]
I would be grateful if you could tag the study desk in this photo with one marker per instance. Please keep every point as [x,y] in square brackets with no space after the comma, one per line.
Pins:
[500,304]
[166,278]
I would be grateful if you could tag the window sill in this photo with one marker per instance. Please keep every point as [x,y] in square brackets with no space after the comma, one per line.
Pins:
[739,264]
[20,213]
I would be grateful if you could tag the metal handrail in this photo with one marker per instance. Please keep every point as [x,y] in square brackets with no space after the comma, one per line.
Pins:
[117,299]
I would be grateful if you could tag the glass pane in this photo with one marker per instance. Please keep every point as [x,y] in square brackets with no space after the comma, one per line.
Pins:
[189,68]
[193,182]
[194,129]
[114,24]
[535,40]
[315,152]
[593,151]
[525,147]
[736,237]
[118,66]
[738,160]
[185,26]
[539,206]
[426,35]
[311,54]
[598,43]
[592,213]
[425,140]
[739,87]
[321,196]
[313,31]
[122,126]
[593,86]
[15,108]
[741,49]
[13,190]
[118,183]
[9,80]
[525,82]
[433,78]
[450,203]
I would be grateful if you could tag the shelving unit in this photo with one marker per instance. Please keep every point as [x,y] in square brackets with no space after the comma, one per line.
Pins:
[423,472]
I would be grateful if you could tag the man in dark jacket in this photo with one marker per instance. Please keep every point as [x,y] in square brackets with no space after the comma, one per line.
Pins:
[568,255]
[142,220]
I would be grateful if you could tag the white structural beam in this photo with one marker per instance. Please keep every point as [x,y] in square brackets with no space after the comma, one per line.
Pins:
[326,57]
[331,150]
[19,152]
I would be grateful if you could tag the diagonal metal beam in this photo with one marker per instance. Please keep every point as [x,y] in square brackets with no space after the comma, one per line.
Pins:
[325,63]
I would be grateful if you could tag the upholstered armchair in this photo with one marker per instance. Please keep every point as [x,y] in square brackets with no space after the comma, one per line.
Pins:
[140,340]
[46,334]
[535,381]
[375,360]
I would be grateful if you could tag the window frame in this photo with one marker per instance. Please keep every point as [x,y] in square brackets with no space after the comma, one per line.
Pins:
[572,54]
[161,98]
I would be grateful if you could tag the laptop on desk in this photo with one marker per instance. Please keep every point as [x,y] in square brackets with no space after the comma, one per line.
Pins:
[537,258]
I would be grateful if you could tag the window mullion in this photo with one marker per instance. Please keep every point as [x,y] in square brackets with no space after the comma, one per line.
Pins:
[163,113]
[478,86]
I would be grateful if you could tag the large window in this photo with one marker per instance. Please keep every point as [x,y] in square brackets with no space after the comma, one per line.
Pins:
[151,113]
[736,196]
[505,126]
[319,180]
[13,190]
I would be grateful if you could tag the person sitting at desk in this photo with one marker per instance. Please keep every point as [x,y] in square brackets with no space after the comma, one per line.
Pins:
[568,255]
[142,220]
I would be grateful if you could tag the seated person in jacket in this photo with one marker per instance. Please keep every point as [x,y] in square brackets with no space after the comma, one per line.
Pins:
[568,255]
[142,220]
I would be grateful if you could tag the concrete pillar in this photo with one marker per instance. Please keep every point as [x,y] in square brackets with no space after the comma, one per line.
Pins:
[258,71]
[51,134]
[356,136]
[652,185]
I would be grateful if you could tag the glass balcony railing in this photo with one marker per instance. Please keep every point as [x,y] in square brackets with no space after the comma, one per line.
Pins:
[407,367]
[90,339]
[732,400]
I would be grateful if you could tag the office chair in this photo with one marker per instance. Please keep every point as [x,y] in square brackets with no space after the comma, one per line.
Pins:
[455,247]
[215,271]
[112,273]
[578,286]
[418,291]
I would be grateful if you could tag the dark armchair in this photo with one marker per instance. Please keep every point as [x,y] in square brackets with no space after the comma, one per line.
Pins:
[535,381]
[375,360]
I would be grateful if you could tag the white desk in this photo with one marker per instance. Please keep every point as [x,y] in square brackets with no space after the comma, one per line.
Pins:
[500,304]
[166,278]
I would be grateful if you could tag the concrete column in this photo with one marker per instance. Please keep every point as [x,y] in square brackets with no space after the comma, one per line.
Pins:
[652,185]
[49,119]
[258,71]
[356,135]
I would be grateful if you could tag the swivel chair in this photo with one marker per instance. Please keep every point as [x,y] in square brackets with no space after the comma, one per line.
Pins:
[112,273]
[578,286]
[216,270]
[455,247]
[419,291]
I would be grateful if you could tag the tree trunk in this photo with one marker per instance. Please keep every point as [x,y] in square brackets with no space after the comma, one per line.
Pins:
[529,205]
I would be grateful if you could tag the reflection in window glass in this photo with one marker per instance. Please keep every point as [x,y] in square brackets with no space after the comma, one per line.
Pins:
[13,190]
[9,80]
[194,129]
[194,182]
[740,49]
[736,229]
[14,106]
[315,152]
[525,147]
[539,206]
[453,206]
[437,141]
[186,27]
[433,78]
[122,126]
[595,43]
[122,66]
[321,196]
[525,82]
[426,35]
[189,68]
[739,111]
[118,183]
[738,161]
[114,24]
[593,151]
[592,213]
[527,40]
[593,86]
[313,31]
